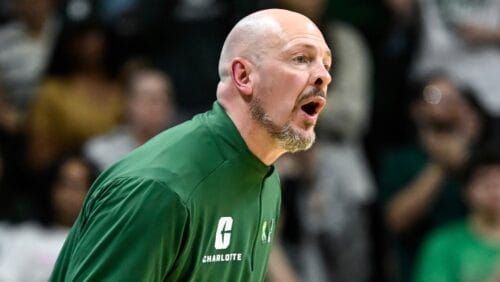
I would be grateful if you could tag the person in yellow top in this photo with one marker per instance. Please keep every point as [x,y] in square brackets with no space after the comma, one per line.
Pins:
[79,104]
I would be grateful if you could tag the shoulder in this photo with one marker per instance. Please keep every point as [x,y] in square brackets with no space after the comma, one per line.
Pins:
[447,237]
[455,229]
[437,260]
[132,194]
[179,157]
[445,241]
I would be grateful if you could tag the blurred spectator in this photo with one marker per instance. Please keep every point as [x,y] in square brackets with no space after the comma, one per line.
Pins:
[151,109]
[184,38]
[462,38]
[419,188]
[329,188]
[390,123]
[80,100]
[28,251]
[25,47]
[469,250]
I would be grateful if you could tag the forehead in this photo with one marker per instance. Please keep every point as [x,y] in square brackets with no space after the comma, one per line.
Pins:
[148,81]
[306,36]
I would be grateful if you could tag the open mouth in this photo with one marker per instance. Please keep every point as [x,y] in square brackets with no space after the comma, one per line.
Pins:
[311,108]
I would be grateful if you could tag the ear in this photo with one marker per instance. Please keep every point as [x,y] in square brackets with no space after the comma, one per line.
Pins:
[240,72]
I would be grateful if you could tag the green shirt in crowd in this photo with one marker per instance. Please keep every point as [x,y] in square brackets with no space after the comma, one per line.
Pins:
[192,204]
[400,167]
[455,253]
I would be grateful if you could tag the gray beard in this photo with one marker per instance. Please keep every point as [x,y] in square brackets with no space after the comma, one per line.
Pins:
[287,137]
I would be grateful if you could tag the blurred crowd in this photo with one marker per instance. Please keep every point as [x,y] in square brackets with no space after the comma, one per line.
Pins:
[403,183]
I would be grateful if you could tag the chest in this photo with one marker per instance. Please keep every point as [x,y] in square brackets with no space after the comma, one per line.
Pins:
[476,263]
[231,233]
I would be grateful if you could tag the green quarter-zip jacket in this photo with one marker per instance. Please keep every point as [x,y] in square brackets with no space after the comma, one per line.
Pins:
[192,204]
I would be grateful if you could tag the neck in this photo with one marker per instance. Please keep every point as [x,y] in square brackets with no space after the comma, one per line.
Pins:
[257,139]
[261,144]
[486,227]
[90,73]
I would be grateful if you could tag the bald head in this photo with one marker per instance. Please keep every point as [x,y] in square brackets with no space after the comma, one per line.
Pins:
[274,73]
[255,33]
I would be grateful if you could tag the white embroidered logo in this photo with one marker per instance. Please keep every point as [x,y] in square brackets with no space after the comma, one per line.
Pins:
[223,235]
[222,241]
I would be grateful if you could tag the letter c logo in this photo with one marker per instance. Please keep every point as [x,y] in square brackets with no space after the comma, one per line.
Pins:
[223,235]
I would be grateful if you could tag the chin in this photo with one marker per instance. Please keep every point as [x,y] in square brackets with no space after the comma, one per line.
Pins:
[304,126]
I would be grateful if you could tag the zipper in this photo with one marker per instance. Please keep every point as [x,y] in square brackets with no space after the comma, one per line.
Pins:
[256,239]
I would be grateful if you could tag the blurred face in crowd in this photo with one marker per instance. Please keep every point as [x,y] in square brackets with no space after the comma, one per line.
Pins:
[34,12]
[483,192]
[290,82]
[89,47]
[150,104]
[70,189]
[444,110]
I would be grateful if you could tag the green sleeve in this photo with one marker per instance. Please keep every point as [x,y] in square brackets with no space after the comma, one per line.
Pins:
[435,262]
[131,231]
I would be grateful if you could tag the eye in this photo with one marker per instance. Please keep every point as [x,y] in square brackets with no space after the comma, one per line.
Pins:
[301,59]
[328,67]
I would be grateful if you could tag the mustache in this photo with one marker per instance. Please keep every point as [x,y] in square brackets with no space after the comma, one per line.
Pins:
[312,93]
[308,94]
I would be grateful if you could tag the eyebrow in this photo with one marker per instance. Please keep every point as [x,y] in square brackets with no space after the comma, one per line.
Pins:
[310,46]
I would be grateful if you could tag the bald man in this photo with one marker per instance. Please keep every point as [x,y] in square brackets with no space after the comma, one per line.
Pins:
[200,201]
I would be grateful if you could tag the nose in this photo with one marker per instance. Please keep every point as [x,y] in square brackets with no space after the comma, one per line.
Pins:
[321,77]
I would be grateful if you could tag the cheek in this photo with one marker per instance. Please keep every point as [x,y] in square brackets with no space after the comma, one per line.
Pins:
[280,108]
[278,88]
[286,91]
[493,196]
[485,197]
